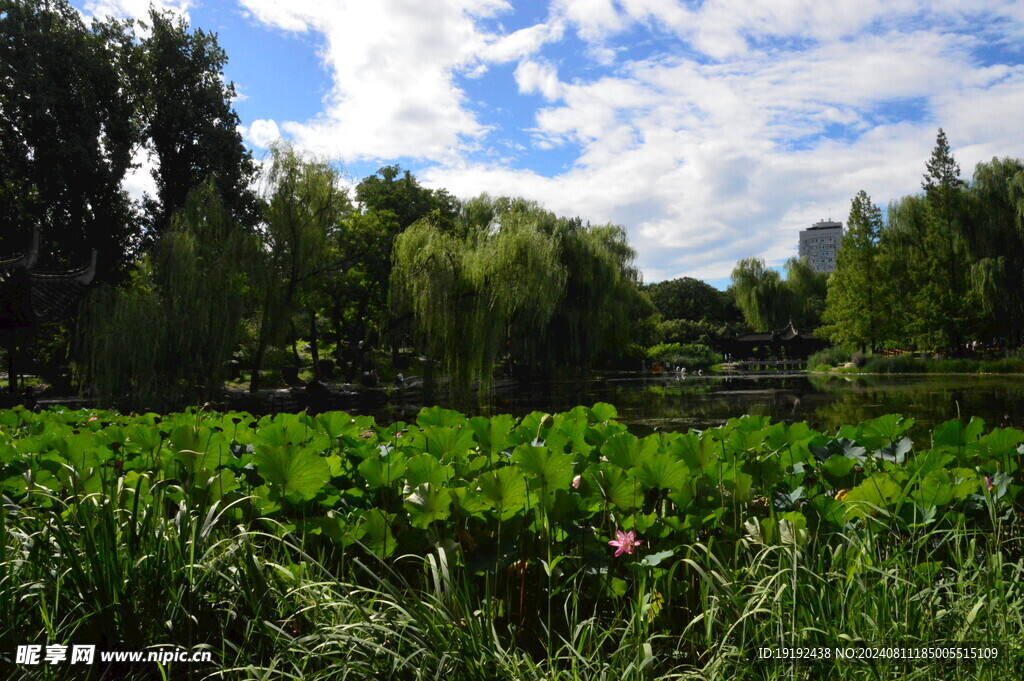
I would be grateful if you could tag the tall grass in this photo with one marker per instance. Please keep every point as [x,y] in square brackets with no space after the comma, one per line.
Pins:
[101,568]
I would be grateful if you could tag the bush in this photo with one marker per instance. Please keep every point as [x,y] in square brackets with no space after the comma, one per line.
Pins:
[829,357]
[690,355]
[859,359]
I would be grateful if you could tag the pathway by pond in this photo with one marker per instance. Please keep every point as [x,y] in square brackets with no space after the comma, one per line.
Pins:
[670,403]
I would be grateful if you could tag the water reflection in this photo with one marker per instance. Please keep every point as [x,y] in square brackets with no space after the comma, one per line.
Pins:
[826,403]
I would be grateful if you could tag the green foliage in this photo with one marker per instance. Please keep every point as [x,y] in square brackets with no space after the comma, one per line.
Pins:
[689,355]
[859,304]
[278,554]
[510,270]
[692,299]
[190,122]
[71,120]
[304,206]
[770,303]
[155,342]
[759,294]
[829,357]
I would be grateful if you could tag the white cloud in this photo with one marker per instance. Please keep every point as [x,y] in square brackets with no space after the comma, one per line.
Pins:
[137,9]
[262,133]
[762,117]
[394,64]
[538,76]
[139,181]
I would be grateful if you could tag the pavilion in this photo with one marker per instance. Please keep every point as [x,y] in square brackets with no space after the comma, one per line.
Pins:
[788,343]
[29,298]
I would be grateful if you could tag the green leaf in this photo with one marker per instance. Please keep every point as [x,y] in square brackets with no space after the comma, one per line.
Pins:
[436,416]
[602,411]
[877,492]
[492,434]
[505,491]
[336,424]
[425,469]
[374,531]
[449,444]
[664,472]
[936,489]
[955,434]
[428,503]
[382,471]
[553,471]
[615,486]
[627,451]
[298,473]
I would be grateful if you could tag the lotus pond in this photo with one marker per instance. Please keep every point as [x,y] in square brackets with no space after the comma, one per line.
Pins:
[554,546]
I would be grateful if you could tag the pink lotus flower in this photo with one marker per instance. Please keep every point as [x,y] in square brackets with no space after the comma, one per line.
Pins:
[625,542]
[576,481]
[988,483]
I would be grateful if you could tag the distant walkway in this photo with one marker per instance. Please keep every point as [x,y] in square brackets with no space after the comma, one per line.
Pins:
[766,365]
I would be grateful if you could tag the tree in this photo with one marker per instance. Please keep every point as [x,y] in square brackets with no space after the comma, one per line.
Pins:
[692,299]
[191,127]
[995,243]
[858,309]
[508,279]
[760,294]
[942,296]
[399,192]
[465,291]
[153,343]
[805,291]
[304,205]
[69,100]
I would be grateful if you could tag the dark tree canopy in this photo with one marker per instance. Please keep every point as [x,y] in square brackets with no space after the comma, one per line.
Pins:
[392,189]
[192,129]
[693,299]
[68,126]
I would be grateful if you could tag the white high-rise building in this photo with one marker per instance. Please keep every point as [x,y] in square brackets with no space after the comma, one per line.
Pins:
[820,242]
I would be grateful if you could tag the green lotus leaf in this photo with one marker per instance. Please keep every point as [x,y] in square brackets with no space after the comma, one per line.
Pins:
[436,416]
[627,451]
[505,491]
[426,469]
[382,471]
[552,470]
[428,503]
[296,472]
[614,486]
[662,471]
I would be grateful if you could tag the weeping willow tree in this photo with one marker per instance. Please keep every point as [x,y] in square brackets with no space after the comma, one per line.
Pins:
[466,287]
[760,294]
[167,334]
[304,207]
[597,315]
[807,291]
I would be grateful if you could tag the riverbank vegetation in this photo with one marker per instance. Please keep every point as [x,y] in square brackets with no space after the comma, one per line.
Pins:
[941,272]
[232,266]
[552,546]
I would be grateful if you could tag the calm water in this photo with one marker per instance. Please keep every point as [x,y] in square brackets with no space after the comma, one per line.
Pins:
[826,403]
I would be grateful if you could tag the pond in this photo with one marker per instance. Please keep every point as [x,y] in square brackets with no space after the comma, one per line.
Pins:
[825,402]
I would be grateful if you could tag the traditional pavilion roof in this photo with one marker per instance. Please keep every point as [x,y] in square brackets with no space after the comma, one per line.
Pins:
[28,297]
[789,333]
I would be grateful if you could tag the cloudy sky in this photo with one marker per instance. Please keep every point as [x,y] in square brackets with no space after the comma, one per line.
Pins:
[712,130]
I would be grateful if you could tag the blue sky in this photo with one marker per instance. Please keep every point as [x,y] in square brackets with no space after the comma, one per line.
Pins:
[712,131]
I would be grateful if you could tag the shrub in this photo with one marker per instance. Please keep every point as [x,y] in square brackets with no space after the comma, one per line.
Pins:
[829,357]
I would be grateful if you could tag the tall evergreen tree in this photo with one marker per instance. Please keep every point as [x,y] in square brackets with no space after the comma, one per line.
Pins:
[857,309]
[942,300]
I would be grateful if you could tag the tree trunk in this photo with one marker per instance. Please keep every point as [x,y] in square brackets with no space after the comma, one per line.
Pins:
[12,376]
[313,347]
